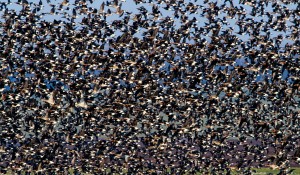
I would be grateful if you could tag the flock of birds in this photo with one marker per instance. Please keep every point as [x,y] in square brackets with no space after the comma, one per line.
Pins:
[147,93]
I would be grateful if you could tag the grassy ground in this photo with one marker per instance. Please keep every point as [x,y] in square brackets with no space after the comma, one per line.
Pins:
[267,171]
[264,171]
[256,171]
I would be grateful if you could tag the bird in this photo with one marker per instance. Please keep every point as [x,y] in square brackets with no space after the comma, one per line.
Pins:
[51,98]
[149,86]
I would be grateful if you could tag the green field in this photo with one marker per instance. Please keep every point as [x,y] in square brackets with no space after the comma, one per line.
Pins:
[268,170]
[256,171]
[265,171]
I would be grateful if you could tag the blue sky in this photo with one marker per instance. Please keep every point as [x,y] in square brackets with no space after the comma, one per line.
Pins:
[130,6]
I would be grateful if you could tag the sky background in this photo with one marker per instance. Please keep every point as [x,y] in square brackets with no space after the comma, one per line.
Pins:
[131,6]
